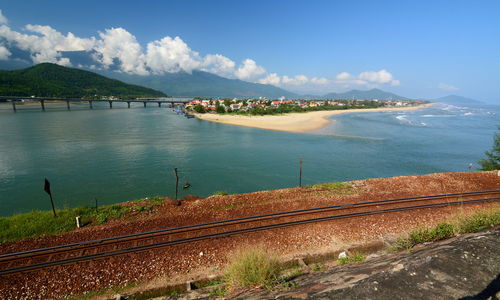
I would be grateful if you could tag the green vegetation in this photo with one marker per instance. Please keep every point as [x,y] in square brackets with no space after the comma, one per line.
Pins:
[342,188]
[355,257]
[253,267]
[443,230]
[492,160]
[218,292]
[478,221]
[50,80]
[43,223]
[289,108]
[220,193]
[318,267]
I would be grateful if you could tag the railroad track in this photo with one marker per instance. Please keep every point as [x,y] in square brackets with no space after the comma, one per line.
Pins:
[25,261]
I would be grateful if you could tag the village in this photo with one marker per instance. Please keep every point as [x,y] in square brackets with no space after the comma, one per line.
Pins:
[263,104]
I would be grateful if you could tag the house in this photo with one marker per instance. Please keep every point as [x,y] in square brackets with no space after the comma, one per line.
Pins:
[235,106]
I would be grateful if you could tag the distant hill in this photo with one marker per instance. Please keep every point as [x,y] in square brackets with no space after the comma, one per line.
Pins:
[202,84]
[365,95]
[51,80]
[458,100]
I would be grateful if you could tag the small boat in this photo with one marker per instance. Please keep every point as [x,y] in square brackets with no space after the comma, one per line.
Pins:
[186,185]
[189,116]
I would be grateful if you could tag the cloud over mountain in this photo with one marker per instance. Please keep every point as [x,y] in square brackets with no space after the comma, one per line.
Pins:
[117,49]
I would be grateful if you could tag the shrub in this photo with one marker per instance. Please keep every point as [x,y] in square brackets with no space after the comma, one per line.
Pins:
[478,222]
[253,267]
[355,257]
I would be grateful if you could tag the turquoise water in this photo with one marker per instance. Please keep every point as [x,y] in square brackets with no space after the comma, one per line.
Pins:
[123,154]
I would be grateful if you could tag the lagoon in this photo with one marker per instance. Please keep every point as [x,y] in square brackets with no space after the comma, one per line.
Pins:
[122,154]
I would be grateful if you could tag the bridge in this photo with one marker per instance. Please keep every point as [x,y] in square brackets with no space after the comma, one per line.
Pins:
[68,101]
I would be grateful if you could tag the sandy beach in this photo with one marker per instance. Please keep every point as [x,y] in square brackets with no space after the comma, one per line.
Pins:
[293,122]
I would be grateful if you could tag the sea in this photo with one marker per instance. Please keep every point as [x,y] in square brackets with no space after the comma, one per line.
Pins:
[121,154]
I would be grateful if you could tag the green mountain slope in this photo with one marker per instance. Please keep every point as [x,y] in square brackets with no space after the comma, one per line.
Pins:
[50,80]
[203,84]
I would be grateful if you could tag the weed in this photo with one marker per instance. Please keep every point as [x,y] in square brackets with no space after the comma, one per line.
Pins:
[221,193]
[318,267]
[218,292]
[253,267]
[478,221]
[355,257]
[342,188]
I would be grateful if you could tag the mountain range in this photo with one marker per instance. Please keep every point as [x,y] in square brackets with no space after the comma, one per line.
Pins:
[75,83]
[51,80]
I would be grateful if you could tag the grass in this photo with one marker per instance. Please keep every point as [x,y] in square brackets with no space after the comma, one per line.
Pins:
[444,230]
[355,257]
[221,193]
[342,188]
[43,223]
[253,267]
[218,292]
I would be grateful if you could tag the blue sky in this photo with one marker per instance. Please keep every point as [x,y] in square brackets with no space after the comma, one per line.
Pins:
[415,49]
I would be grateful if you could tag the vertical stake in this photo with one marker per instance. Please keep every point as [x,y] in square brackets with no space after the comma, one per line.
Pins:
[96,207]
[300,174]
[176,183]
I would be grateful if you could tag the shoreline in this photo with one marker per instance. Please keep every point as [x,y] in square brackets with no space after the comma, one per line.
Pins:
[294,122]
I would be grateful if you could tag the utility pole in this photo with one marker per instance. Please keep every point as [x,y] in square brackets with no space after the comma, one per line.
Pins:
[300,174]
[176,183]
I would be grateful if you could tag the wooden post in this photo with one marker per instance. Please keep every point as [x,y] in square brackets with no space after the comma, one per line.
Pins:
[90,104]
[42,102]
[176,183]
[96,207]
[300,173]
[14,105]
[144,103]
[110,104]
[159,104]
[128,103]
[67,104]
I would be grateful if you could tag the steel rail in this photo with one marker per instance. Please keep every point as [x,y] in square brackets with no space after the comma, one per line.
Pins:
[161,232]
[229,233]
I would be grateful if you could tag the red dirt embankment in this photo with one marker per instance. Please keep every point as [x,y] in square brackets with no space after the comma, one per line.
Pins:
[211,254]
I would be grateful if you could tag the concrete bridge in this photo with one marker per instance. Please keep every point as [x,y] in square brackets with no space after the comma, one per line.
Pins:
[68,101]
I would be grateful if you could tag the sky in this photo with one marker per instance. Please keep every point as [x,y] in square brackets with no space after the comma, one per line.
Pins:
[418,49]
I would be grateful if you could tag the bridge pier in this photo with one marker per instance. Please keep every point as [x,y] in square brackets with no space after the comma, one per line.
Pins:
[42,103]
[128,104]
[67,104]
[110,104]
[90,104]
[144,103]
[14,105]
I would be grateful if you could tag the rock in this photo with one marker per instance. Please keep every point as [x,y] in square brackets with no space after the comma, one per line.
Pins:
[342,254]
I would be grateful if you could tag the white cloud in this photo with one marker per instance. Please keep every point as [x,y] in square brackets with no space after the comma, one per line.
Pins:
[249,70]
[297,80]
[4,53]
[343,76]
[218,64]
[171,55]
[272,78]
[368,79]
[45,45]
[320,81]
[3,19]
[119,44]
[447,87]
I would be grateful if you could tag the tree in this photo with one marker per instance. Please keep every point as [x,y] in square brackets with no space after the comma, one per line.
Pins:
[199,109]
[492,160]
[220,109]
